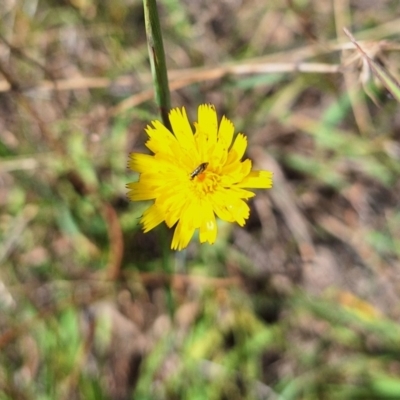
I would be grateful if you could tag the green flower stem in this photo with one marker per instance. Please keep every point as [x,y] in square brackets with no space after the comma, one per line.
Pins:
[157,59]
[161,88]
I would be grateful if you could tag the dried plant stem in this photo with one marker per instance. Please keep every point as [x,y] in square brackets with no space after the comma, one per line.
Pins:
[358,104]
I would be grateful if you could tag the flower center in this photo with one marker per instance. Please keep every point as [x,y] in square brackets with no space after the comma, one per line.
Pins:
[206,182]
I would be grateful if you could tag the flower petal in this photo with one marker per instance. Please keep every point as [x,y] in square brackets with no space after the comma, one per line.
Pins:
[257,180]
[238,148]
[140,191]
[182,129]
[161,139]
[184,230]
[241,193]
[239,210]
[208,122]
[152,217]
[225,132]
[141,162]
[208,227]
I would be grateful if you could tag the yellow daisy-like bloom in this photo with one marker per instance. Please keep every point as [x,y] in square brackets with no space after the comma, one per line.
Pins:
[193,177]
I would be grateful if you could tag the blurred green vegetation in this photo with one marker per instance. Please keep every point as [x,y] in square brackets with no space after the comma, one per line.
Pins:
[302,303]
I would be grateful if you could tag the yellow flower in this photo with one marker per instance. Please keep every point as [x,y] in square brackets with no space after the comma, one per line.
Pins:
[193,177]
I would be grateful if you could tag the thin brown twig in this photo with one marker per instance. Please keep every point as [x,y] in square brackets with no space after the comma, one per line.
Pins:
[186,76]
[358,104]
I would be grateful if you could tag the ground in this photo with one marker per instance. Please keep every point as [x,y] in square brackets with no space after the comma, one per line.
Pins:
[301,303]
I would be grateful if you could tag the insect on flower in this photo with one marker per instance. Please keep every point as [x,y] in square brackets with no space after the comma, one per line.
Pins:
[201,168]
